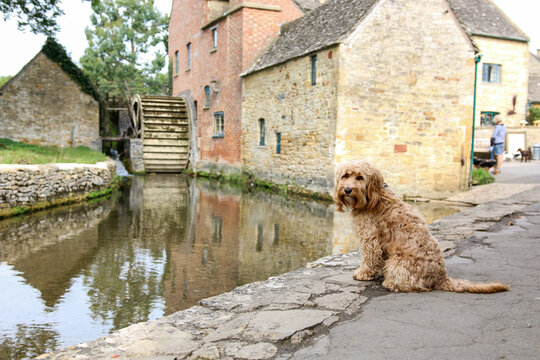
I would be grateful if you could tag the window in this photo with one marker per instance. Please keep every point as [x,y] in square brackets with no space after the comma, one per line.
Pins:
[214,38]
[219,125]
[207,96]
[259,238]
[314,70]
[176,61]
[278,143]
[486,118]
[261,132]
[217,229]
[491,73]
[189,56]
[195,112]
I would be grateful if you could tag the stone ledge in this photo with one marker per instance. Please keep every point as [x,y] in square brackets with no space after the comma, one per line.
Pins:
[276,317]
[35,187]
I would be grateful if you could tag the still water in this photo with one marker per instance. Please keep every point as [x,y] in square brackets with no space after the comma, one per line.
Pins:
[75,273]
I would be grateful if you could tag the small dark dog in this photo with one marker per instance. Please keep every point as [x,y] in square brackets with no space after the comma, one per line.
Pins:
[525,154]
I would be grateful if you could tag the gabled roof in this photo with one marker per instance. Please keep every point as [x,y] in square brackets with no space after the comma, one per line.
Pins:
[308,5]
[320,28]
[534,79]
[484,18]
[56,52]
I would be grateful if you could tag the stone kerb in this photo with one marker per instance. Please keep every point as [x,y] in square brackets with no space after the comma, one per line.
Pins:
[276,318]
[39,186]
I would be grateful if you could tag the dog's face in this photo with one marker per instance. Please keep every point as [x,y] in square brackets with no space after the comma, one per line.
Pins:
[358,186]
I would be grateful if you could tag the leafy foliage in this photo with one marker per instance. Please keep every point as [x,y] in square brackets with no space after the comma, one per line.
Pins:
[4,79]
[57,53]
[37,15]
[482,177]
[123,35]
[534,114]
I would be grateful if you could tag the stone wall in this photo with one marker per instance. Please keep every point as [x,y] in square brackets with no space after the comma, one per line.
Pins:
[40,186]
[43,106]
[302,113]
[513,56]
[406,97]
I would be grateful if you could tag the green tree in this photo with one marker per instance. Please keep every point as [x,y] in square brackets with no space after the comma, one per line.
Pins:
[125,47]
[37,15]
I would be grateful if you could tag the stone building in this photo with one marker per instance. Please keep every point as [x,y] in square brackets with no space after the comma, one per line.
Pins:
[50,102]
[210,43]
[534,80]
[504,68]
[386,81]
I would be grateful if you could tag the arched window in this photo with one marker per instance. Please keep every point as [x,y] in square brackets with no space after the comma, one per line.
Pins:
[261,132]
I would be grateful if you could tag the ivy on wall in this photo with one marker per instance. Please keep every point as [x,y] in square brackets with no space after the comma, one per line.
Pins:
[57,53]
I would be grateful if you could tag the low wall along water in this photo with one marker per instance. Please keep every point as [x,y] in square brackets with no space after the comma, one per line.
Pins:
[30,187]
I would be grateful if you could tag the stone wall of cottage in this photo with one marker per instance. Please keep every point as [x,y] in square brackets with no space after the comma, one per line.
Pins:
[42,105]
[45,185]
[406,97]
[304,114]
[513,56]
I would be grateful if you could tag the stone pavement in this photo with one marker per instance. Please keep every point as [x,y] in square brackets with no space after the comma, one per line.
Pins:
[321,312]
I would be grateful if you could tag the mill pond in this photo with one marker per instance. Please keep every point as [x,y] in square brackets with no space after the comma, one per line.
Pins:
[75,273]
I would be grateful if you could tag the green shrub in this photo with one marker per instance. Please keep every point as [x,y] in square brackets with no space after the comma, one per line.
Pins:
[482,177]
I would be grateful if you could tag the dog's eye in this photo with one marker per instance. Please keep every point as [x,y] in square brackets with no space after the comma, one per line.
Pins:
[359,177]
[346,176]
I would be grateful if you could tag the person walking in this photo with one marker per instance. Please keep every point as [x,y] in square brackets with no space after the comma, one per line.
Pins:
[499,135]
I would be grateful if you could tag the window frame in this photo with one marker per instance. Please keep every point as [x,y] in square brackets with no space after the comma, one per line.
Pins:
[188,48]
[206,97]
[278,143]
[214,37]
[262,132]
[489,120]
[219,125]
[489,76]
[313,69]
[177,62]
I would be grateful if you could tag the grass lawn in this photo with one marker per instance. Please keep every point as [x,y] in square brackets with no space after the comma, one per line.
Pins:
[12,152]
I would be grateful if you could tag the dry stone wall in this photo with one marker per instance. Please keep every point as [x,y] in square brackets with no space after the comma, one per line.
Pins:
[30,186]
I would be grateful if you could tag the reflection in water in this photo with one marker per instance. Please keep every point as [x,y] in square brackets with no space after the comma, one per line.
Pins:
[75,273]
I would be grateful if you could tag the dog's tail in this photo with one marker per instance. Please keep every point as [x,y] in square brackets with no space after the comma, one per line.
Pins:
[459,285]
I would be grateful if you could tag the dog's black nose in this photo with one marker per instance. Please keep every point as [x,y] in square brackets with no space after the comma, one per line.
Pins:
[348,191]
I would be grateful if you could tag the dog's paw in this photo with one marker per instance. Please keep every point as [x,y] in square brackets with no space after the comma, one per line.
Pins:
[363,276]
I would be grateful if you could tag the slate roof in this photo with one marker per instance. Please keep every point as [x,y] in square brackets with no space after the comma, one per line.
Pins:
[483,17]
[534,78]
[308,5]
[322,27]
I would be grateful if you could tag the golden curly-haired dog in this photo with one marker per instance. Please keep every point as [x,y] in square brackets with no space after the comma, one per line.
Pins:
[395,238]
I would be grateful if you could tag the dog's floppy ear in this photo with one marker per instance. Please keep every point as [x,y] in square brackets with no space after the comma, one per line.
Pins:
[374,188]
[337,200]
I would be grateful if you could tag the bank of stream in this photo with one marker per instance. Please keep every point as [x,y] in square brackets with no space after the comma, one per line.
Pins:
[75,273]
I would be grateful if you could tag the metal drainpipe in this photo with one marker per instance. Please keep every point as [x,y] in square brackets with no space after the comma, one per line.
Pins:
[476,61]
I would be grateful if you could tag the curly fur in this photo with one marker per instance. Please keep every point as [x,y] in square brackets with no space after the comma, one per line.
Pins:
[396,241]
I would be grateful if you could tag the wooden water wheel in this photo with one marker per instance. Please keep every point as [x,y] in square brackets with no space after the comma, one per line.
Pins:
[163,124]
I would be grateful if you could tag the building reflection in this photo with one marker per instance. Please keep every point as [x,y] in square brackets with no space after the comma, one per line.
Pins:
[162,245]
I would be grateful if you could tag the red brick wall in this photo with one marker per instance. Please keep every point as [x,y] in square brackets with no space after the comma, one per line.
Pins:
[242,35]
